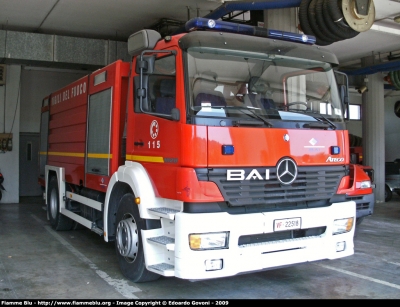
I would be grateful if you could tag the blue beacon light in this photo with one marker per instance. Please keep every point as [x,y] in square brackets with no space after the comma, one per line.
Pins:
[224,26]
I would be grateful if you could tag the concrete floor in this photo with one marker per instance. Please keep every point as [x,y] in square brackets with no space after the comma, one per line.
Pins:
[39,263]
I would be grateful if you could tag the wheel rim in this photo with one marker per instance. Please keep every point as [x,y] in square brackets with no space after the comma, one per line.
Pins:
[128,238]
[53,204]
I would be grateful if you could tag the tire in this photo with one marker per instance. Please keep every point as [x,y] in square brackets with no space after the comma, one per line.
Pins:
[57,220]
[128,241]
[388,194]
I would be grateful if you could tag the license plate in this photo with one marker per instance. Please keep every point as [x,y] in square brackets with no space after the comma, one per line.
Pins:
[287,224]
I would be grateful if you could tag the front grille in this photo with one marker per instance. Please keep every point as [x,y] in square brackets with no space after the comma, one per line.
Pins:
[281,235]
[314,186]
[362,206]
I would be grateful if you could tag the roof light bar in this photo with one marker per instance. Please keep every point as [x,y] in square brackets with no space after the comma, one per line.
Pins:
[224,26]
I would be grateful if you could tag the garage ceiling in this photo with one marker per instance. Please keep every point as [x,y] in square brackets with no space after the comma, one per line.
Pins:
[117,19]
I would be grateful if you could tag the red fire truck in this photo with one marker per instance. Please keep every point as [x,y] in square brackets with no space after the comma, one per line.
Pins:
[217,151]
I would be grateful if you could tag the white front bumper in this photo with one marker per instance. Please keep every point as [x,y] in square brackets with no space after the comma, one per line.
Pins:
[190,264]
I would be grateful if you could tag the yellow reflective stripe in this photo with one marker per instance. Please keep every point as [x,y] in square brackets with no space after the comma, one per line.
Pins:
[99,156]
[145,158]
[78,154]
[66,154]
[43,153]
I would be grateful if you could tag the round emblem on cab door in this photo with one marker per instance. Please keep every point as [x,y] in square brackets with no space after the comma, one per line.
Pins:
[154,129]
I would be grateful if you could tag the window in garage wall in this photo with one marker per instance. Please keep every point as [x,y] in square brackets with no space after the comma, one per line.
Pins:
[355,112]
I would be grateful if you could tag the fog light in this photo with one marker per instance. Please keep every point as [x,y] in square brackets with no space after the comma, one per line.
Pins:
[340,246]
[213,265]
[204,241]
[342,225]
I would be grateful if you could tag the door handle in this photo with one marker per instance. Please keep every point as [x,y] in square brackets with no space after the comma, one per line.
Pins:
[138,143]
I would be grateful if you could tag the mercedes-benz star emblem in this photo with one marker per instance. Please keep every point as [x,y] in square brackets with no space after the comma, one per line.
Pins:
[286,171]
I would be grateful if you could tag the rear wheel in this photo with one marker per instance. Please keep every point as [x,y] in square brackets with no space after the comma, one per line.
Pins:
[57,220]
[128,241]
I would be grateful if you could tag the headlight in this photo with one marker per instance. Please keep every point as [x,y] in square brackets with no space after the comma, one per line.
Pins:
[342,225]
[202,241]
[363,184]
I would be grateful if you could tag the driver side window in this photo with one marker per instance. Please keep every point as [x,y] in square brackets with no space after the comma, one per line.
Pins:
[162,85]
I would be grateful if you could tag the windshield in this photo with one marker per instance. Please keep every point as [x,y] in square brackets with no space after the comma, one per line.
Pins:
[272,89]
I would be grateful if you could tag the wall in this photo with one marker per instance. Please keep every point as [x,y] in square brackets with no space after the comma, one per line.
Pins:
[392,129]
[392,124]
[20,102]
[355,126]
[36,83]
[9,122]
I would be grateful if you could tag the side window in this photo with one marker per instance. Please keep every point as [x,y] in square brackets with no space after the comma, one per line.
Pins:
[162,86]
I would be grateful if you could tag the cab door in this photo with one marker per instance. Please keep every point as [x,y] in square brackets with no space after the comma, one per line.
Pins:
[156,132]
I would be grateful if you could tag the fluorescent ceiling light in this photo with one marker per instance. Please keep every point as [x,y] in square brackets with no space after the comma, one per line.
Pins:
[385,29]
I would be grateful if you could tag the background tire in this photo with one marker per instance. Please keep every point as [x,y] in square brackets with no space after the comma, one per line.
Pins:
[128,241]
[388,194]
[57,220]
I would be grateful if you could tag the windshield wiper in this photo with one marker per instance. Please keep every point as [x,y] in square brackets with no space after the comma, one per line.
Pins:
[323,123]
[254,115]
[324,119]
[245,122]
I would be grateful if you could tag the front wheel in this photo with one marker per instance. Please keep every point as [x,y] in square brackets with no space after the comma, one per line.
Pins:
[128,241]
